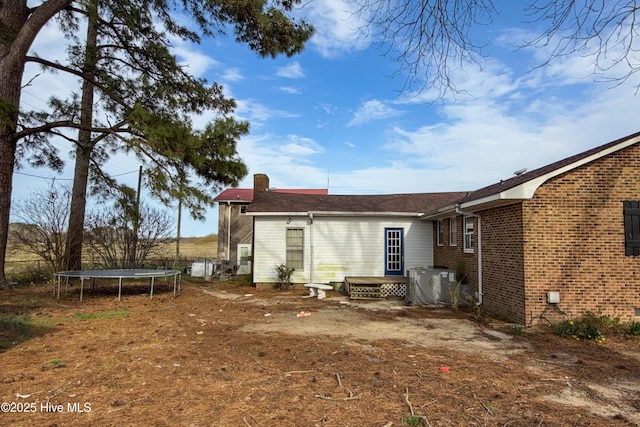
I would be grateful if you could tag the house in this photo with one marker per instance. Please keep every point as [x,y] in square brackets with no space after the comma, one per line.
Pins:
[235,229]
[561,240]
[328,237]
[555,242]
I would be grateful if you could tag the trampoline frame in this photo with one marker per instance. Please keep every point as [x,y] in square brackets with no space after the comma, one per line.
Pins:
[115,274]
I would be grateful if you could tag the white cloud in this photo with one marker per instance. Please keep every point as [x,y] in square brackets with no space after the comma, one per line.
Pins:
[290,90]
[285,159]
[194,61]
[232,75]
[291,71]
[257,113]
[339,29]
[372,110]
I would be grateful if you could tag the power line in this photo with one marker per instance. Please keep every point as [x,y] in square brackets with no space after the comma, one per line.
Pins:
[67,179]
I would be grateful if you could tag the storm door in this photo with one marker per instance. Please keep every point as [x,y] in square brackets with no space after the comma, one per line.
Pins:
[394,252]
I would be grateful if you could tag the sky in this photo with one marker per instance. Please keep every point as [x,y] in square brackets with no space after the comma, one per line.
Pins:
[335,116]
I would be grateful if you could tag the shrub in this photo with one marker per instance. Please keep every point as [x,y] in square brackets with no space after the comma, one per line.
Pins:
[591,326]
[633,328]
[283,273]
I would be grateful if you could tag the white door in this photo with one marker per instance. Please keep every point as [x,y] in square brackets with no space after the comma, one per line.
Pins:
[244,252]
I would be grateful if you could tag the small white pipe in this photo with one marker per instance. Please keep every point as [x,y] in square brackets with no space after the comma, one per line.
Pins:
[228,231]
[312,256]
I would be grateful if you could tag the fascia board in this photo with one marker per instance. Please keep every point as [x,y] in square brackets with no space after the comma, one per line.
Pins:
[527,189]
[441,213]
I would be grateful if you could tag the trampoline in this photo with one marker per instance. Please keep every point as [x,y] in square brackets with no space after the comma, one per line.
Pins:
[116,274]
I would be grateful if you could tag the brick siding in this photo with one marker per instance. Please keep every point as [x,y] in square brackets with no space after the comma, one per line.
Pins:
[568,238]
[574,240]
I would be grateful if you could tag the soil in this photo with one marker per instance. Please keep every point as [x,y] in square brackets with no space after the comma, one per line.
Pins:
[224,354]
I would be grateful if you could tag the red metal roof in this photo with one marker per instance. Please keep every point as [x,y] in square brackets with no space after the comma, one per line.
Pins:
[246,194]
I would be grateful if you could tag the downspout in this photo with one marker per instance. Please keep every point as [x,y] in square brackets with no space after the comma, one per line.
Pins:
[480,290]
[311,275]
[228,231]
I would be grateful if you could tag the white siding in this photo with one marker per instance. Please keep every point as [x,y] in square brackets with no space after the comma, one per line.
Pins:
[342,246]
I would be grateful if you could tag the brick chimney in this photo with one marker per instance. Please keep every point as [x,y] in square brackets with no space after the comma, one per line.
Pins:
[260,182]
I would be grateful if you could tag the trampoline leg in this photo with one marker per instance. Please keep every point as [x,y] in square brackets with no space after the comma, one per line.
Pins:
[119,288]
[81,287]
[151,295]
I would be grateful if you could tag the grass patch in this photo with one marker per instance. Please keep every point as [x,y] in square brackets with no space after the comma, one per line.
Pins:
[16,328]
[119,314]
[515,329]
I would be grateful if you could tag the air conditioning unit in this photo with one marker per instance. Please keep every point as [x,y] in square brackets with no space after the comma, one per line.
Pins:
[431,286]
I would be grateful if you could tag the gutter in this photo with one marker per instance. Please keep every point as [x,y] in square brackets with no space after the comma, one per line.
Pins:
[338,213]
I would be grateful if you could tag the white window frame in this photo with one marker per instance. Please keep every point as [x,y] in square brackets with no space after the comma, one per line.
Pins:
[468,227]
[295,249]
[453,231]
[439,233]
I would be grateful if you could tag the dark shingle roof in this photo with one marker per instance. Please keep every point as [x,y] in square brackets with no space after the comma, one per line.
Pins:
[501,186]
[246,194]
[268,201]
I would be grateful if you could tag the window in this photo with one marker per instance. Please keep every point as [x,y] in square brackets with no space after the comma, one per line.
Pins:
[631,210]
[243,209]
[295,248]
[468,234]
[439,233]
[453,232]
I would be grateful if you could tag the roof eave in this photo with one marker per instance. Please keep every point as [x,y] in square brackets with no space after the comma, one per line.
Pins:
[527,189]
[337,213]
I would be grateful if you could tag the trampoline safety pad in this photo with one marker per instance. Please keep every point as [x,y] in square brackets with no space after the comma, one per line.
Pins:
[116,274]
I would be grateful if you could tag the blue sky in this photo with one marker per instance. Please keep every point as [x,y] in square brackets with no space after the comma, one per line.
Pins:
[332,116]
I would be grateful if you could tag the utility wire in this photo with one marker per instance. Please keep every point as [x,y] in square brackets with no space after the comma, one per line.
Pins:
[68,179]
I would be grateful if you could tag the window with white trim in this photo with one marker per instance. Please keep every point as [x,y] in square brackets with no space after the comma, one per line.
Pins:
[295,248]
[439,233]
[453,232]
[468,234]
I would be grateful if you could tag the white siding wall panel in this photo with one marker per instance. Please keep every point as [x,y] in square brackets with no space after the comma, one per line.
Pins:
[342,246]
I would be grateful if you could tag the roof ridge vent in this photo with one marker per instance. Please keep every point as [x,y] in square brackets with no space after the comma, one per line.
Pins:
[520,171]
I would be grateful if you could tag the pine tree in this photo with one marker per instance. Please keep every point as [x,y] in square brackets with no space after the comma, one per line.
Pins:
[146,99]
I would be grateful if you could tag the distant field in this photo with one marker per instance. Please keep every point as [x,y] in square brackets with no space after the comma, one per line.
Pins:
[195,247]
[191,248]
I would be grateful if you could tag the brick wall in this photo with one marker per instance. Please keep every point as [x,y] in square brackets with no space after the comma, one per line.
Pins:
[503,262]
[568,238]
[453,257]
[574,241]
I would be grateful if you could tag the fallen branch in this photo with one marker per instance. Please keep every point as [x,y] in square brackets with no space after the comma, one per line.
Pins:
[246,422]
[260,364]
[340,384]
[482,403]
[406,399]
[336,399]
[299,372]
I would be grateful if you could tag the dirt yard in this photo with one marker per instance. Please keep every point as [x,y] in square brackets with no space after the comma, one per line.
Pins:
[228,355]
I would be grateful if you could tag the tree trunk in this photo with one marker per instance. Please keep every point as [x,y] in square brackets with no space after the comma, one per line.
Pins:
[84,148]
[17,32]
[12,17]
